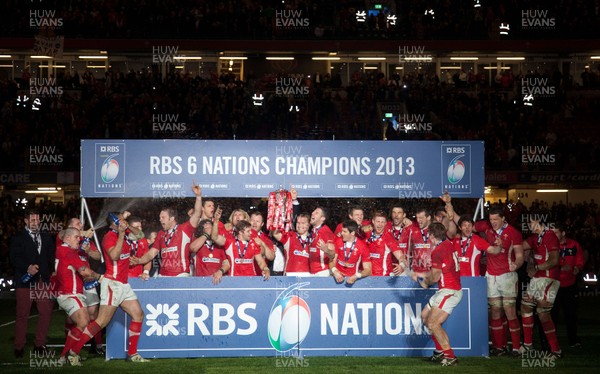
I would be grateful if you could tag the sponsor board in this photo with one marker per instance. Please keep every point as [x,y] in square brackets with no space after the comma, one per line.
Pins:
[296,317]
[228,168]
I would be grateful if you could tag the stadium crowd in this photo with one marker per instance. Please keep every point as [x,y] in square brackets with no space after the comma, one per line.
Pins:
[123,105]
[237,19]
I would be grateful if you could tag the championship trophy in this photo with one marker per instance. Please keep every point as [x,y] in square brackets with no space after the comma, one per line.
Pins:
[279,215]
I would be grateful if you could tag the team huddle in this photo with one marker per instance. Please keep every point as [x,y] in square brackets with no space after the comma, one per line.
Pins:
[436,249]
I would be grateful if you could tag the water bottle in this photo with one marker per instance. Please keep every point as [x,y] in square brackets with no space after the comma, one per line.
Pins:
[26,278]
[114,218]
[116,221]
[91,284]
[84,242]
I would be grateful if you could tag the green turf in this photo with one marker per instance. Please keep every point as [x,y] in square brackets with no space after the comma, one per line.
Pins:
[575,360]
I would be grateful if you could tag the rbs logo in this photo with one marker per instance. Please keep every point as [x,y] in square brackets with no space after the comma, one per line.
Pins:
[109,148]
[165,325]
[221,319]
[455,150]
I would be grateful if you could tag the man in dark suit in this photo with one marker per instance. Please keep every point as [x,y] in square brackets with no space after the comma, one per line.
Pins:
[32,252]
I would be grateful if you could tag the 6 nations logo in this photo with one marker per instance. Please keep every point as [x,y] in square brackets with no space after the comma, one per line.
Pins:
[110,168]
[456,168]
[289,319]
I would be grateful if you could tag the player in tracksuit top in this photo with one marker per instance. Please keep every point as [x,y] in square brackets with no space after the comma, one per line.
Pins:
[571,263]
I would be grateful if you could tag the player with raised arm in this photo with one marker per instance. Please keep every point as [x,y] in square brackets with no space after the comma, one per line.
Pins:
[173,241]
[469,248]
[210,260]
[295,246]
[320,248]
[448,216]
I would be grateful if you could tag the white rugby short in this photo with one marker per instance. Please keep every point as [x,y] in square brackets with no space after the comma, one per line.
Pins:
[502,286]
[71,303]
[113,292]
[445,299]
[542,289]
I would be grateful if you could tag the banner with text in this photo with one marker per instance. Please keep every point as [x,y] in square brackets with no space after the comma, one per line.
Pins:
[234,168]
[247,316]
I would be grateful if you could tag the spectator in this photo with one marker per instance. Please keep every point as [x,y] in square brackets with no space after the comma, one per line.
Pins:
[32,256]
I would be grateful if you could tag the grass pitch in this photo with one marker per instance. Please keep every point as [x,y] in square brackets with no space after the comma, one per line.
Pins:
[575,360]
